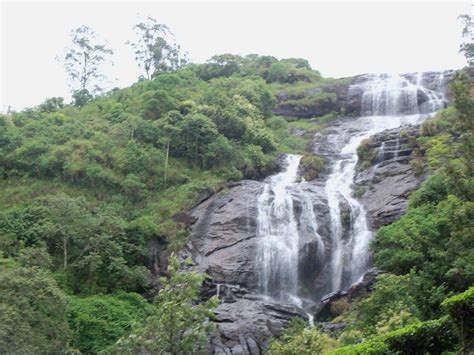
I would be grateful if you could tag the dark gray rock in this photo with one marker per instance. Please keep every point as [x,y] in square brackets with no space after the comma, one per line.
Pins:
[324,310]
[345,102]
[223,238]
[244,327]
[389,181]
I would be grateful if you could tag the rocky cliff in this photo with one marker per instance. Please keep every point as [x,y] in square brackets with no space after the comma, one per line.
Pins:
[385,184]
[224,234]
[344,97]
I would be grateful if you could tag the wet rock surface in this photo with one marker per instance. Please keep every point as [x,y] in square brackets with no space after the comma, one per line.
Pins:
[348,96]
[387,183]
[224,238]
[224,244]
[327,309]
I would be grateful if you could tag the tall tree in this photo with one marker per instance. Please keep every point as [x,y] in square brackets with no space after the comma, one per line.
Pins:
[179,324]
[467,47]
[32,311]
[83,59]
[155,48]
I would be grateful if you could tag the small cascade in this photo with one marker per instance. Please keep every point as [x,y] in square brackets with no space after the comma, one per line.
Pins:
[397,147]
[391,94]
[381,154]
[388,95]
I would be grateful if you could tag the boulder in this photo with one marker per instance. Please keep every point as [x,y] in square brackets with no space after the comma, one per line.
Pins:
[325,310]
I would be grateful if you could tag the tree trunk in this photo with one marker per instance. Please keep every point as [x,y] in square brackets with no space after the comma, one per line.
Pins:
[166,159]
[65,252]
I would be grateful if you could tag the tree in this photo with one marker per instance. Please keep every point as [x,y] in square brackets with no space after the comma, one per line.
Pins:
[83,60]
[168,127]
[467,48]
[52,104]
[298,339]
[197,131]
[461,310]
[32,311]
[99,321]
[155,48]
[178,326]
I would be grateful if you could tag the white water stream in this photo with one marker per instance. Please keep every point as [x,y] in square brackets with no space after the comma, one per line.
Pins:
[387,102]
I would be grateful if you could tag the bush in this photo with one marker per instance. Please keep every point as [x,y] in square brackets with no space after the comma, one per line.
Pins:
[366,154]
[99,321]
[431,337]
[311,166]
[297,339]
[461,310]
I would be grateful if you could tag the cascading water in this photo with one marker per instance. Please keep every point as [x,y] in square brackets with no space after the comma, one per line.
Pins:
[280,230]
[278,233]
[387,102]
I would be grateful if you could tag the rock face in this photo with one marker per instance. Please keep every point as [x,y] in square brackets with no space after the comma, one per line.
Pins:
[244,327]
[339,101]
[347,96]
[386,184]
[224,244]
[223,238]
[327,308]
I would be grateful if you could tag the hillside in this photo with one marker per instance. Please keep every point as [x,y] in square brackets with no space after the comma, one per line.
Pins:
[95,197]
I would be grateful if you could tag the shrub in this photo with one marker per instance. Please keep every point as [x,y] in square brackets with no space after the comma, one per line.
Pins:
[461,310]
[431,337]
[99,321]
[366,154]
[311,166]
[297,339]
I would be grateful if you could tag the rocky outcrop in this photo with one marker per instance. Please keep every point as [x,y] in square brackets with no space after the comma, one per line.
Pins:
[344,97]
[385,185]
[330,306]
[222,241]
[320,101]
[224,244]
[244,326]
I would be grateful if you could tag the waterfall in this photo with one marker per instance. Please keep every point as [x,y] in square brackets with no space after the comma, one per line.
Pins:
[278,233]
[287,226]
[387,102]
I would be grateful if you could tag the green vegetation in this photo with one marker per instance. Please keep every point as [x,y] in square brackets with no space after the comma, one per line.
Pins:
[32,311]
[177,325]
[297,339]
[423,300]
[311,166]
[86,187]
[366,154]
[430,337]
[99,321]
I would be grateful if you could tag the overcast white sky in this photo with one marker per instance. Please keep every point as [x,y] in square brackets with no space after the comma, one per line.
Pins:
[338,38]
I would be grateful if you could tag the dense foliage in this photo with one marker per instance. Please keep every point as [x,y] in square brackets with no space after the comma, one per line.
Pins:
[91,194]
[427,255]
